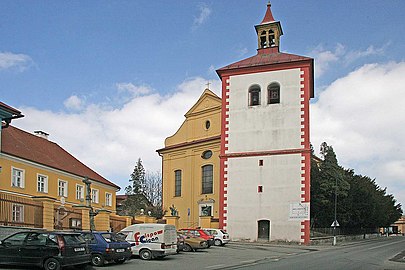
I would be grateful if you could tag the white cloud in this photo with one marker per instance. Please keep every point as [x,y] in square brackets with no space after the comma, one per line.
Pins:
[361,116]
[203,16]
[74,103]
[17,61]
[340,55]
[133,89]
[110,140]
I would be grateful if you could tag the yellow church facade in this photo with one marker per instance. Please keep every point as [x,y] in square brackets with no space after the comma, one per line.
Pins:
[190,158]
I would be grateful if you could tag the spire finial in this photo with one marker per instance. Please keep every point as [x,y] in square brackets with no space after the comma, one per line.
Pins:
[268,17]
[208,85]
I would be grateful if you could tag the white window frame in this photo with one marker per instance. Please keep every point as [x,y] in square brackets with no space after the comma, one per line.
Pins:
[17,180]
[108,199]
[17,212]
[79,192]
[94,195]
[64,187]
[45,183]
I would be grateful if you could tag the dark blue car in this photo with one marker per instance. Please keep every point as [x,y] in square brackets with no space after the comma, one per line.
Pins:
[107,247]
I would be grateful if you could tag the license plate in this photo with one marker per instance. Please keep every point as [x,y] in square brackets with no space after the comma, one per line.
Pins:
[79,249]
[120,250]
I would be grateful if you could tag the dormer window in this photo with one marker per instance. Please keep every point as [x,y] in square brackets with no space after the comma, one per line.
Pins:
[273,93]
[254,95]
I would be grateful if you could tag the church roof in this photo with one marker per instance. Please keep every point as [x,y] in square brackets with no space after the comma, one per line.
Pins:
[268,56]
[27,146]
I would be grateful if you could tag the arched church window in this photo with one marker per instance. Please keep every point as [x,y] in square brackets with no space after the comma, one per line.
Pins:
[263,40]
[273,93]
[254,95]
[272,38]
[207,179]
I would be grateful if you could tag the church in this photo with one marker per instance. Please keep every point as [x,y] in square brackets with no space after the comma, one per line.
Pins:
[242,162]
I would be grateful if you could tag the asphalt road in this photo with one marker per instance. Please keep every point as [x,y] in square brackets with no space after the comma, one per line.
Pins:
[365,254]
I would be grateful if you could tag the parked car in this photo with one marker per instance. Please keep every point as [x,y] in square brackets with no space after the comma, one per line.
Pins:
[192,243]
[200,233]
[107,247]
[151,240]
[49,250]
[221,237]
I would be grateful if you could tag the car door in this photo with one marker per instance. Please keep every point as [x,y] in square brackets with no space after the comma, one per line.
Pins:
[10,248]
[34,248]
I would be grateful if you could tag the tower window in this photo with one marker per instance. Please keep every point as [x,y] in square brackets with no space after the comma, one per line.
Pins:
[254,95]
[263,40]
[207,124]
[274,93]
[272,38]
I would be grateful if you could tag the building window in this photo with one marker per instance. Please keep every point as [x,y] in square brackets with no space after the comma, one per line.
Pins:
[18,213]
[177,183]
[94,195]
[207,179]
[207,154]
[62,188]
[108,199]
[207,124]
[42,183]
[17,178]
[75,223]
[274,93]
[254,95]
[263,40]
[79,192]
[272,39]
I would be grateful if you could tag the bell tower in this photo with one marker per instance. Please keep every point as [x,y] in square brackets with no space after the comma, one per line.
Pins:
[265,142]
[268,31]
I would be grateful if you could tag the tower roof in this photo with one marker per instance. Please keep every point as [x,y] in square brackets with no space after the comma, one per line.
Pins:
[268,17]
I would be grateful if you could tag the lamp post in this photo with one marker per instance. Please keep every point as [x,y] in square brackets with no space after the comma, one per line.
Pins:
[92,213]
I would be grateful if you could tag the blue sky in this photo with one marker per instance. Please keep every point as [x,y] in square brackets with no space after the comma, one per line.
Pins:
[109,80]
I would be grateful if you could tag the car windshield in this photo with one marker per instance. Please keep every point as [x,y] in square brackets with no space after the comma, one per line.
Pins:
[73,239]
[112,237]
[224,232]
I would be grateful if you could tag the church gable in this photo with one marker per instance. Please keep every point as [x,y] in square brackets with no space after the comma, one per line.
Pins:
[208,101]
[202,121]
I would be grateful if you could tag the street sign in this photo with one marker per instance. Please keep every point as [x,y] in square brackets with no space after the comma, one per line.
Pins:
[335,224]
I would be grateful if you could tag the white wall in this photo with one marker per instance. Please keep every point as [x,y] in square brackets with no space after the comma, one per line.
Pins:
[264,128]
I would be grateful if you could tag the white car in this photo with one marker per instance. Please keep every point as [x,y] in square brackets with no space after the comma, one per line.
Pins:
[221,237]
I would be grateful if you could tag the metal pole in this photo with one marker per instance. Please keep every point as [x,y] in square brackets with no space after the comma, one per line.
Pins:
[335,221]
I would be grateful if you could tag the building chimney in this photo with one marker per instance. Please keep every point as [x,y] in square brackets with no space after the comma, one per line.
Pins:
[41,134]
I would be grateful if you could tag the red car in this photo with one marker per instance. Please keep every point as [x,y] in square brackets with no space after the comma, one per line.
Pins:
[200,233]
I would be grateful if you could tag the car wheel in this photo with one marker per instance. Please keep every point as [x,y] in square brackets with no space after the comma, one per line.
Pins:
[145,254]
[52,264]
[187,248]
[120,261]
[218,242]
[97,260]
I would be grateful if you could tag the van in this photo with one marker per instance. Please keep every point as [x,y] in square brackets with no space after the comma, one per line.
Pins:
[151,240]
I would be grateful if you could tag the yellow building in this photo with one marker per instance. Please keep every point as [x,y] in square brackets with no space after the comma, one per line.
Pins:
[42,184]
[190,161]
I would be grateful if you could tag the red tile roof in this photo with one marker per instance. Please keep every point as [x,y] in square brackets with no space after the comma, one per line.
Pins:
[268,56]
[19,143]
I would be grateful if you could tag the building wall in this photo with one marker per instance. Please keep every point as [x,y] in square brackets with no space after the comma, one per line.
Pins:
[183,152]
[31,171]
[278,135]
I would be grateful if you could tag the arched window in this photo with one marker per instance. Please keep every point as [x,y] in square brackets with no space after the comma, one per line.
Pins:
[263,40]
[177,183]
[207,179]
[272,39]
[273,93]
[254,95]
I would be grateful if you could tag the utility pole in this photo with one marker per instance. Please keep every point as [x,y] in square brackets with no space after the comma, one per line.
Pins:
[335,221]
[92,213]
